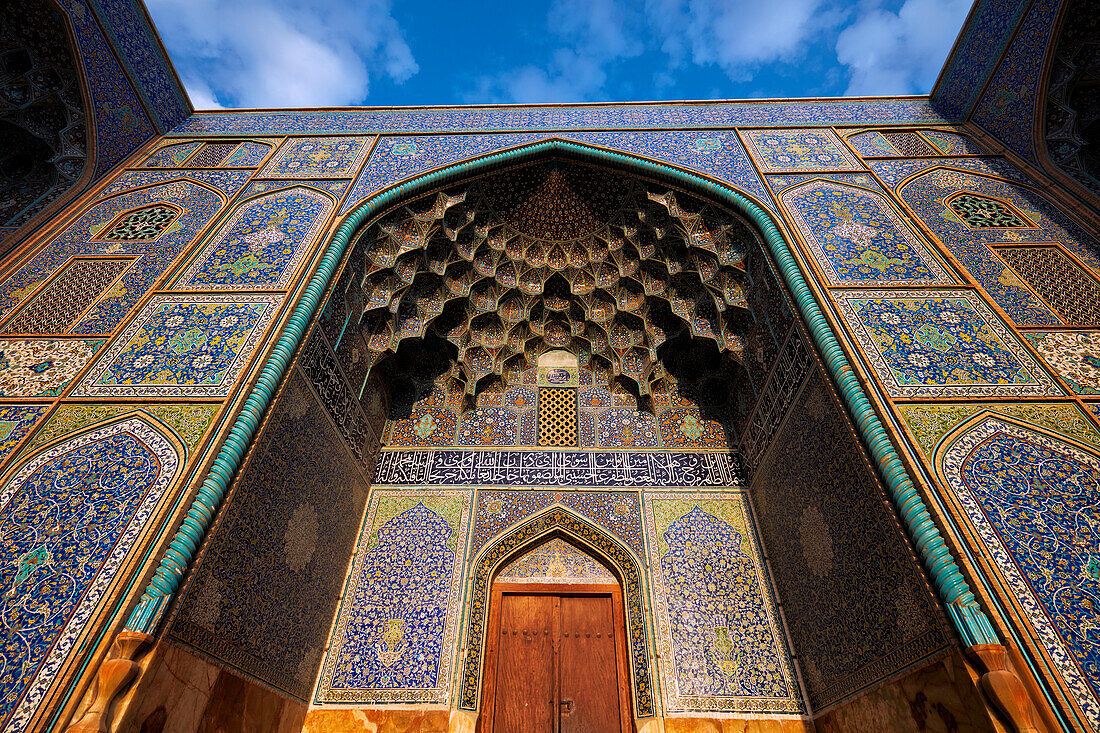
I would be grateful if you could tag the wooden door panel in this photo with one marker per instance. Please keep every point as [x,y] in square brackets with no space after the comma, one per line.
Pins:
[589,686]
[525,689]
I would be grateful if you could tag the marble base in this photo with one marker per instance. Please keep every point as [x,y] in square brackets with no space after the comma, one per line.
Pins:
[938,698]
[377,720]
[181,693]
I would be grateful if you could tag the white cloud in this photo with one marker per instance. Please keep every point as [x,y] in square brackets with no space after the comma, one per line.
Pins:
[736,35]
[282,53]
[902,52]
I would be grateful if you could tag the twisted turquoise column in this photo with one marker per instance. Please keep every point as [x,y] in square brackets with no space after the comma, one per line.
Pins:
[952,588]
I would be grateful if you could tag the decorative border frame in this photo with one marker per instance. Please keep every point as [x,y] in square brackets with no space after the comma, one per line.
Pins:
[588,536]
[170,462]
[950,455]
[290,269]
[1043,385]
[89,388]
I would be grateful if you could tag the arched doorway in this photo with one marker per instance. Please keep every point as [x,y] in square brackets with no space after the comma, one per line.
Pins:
[556,645]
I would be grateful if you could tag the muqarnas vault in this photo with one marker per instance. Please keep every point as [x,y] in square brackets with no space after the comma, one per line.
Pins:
[757,416]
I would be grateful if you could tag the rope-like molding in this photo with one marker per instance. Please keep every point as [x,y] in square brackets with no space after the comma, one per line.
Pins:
[968,618]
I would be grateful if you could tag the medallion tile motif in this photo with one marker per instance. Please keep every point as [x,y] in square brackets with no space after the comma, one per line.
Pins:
[794,150]
[69,519]
[42,368]
[718,632]
[323,157]
[858,238]
[183,345]
[929,343]
[1072,355]
[1033,500]
[263,243]
[394,639]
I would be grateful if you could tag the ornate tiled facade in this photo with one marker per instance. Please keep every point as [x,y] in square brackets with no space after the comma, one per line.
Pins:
[149,317]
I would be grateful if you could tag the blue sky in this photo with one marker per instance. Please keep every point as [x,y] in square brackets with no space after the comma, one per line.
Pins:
[311,53]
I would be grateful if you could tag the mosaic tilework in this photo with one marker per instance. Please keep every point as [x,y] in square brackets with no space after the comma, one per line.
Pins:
[871,143]
[925,195]
[228,182]
[1006,108]
[950,143]
[394,638]
[63,556]
[134,38]
[637,117]
[40,368]
[858,238]
[171,156]
[262,244]
[716,154]
[183,345]
[199,204]
[793,150]
[1032,499]
[248,155]
[618,512]
[556,561]
[928,343]
[189,422]
[892,172]
[121,124]
[577,530]
[263,595]
[1073,293]
[1072,355]
[718,631]
[336,187]
[976,54]
[15,422]
[556,468]
[326,157]
[75,287]
[855,604]
[793,365]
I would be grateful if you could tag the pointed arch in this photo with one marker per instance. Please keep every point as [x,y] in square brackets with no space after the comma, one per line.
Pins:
[952,587]
[557,521]
[1029,496]
[71,556]
[982,211]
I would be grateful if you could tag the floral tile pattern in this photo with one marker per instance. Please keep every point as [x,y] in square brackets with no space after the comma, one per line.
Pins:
[321,157]
[39,368]
[938,343]
[794,150]
[858,238]
[1032,499]
[719,637]
[1072,355]
[263,243]
[183,345]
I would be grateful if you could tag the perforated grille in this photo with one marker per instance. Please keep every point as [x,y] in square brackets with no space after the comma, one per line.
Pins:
[143,224]
[77,286]
[557,416]
[211,155]
[909,143]
[980,212]
[1061,282]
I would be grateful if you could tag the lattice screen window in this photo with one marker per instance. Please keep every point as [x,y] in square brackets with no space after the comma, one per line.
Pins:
[59,305]
[982,212]
[140,225]
[1060,281]
[557,416]
[211,155]
[909,143]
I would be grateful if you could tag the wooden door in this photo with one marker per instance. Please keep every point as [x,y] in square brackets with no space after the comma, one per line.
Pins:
[589,697]
[555,661]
